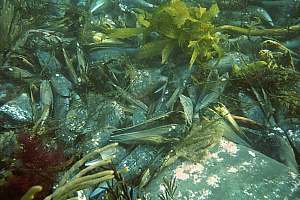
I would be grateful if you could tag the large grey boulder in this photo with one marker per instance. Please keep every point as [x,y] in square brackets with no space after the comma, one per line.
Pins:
[231,172]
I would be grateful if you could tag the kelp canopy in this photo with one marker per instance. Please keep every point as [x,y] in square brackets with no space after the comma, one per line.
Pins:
[107,94]
[178,26]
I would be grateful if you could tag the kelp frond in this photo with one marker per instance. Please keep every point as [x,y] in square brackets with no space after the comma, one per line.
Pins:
[30,194]
[75,179]
[10,26]
[180,27]
[169,189]
[261,32]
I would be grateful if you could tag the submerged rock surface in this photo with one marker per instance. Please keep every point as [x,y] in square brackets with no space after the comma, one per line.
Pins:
[230,171]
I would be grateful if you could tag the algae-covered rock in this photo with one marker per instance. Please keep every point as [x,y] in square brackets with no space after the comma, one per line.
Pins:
[138,160]
[16,111]
[230,171]
[144,82]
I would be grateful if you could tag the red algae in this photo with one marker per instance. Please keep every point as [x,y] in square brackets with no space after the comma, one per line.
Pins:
[39,163]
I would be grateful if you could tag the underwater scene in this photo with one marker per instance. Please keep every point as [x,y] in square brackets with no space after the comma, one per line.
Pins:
[149,99]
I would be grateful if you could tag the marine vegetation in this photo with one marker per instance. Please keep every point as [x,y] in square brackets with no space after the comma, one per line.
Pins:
[16,17]
[30,194]
[36,162]
[169,189]
[96,101]
[10,27]
[275,73]
[261,32]
[118,189]
[178,27]
[79,177]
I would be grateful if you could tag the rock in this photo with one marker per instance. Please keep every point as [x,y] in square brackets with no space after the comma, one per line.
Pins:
[61,107]
[138,160]
[61,85]
[94,138]
[244,44]
[213,91]
[8,91]
[225,63]
[16,111]
[294,136]
[76,118]
[105,54]
[72,126]
[105,112]
[144,82]
[278,148]
[8,145]
[251,108]
[127,5]
[230,171]
[48,62]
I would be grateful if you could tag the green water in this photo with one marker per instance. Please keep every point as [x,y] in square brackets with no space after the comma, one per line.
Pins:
[149,99]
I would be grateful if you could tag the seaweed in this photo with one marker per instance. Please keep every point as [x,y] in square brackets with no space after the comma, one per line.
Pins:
[30,194]
[17,17]
[173,29]
[179,27]
[10,27]
[76,179]
[118,189]
[203,134]
[169,189]
[39,162]
[261,32]
[280,81]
